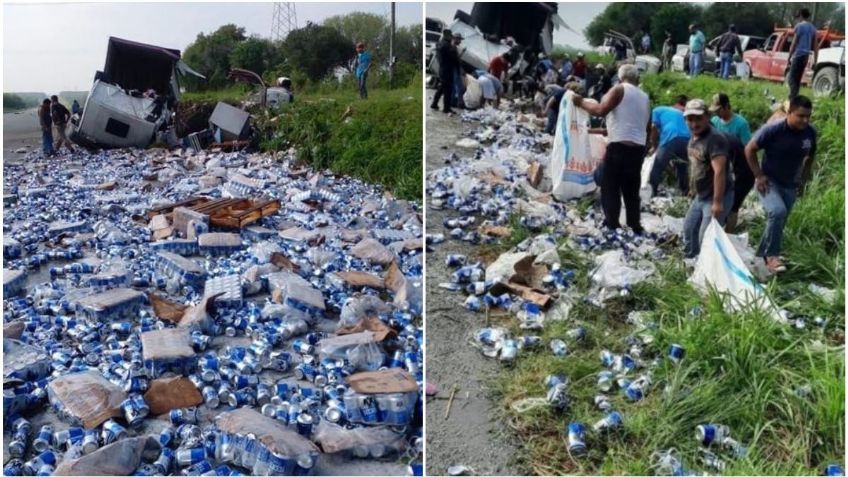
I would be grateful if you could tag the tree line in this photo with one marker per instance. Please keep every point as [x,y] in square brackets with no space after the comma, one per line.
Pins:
[307,54]
[756,19]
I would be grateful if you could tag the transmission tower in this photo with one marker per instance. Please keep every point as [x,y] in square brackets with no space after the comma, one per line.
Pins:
[283,21]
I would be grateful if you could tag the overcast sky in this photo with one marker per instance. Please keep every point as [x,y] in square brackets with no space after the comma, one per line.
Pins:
[576,15]
[58,47]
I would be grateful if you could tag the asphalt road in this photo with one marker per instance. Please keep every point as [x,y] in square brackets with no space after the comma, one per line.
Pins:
[471,435]
[20,129]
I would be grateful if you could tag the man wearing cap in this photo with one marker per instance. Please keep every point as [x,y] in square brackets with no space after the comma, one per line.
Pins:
[670,140]
[696,50]
[446,55]
[790,146]
[603,82]
[711,177]
[363,64]
[734,126]
[728,44]
[628,115]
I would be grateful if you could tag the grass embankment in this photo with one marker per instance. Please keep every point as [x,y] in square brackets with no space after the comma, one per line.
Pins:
[741,369]
[378,140]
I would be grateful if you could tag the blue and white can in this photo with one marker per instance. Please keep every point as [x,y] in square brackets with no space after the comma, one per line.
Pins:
[676,352]
[576,438]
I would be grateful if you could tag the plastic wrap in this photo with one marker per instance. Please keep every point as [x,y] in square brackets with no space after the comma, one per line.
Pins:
[355,309]
[375,442]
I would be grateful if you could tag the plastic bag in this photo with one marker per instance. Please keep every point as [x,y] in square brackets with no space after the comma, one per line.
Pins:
[263,250]
[119,458]
[720,267]
[612,271]
[355,309]
[359,349]
[361,441]
[645,190]
[575,153]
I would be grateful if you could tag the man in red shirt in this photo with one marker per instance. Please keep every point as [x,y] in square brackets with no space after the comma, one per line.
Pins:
[580,66]
[499,66]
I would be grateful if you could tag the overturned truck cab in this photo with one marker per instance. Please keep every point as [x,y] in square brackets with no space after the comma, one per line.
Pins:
[132,100]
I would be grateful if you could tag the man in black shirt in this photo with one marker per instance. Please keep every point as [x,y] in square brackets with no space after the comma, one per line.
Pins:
[728,44]
[448,58]
[60,115]
[710,176]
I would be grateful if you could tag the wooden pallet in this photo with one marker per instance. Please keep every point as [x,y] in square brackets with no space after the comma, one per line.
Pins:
[224,213]
[242,213]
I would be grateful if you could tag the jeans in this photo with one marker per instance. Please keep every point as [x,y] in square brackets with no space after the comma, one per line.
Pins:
[726,63]
[622,170]
[552,121]
[777,202]
[698,218]
[696,62]
[363,90]
[445,90]
[796,72]
[674,151]
[47,141]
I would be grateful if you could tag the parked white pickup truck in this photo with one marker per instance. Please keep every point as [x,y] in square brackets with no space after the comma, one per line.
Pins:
[829,70]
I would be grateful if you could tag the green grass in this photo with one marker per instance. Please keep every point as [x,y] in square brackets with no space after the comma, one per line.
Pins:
[234,94]
[740,369]
[377,140]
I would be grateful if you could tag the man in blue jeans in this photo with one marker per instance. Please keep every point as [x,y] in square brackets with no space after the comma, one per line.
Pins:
[696,50]
[670,139]
[45,120]
[804,43]
[711,177]
[728,44]
[363,64]
[789,146]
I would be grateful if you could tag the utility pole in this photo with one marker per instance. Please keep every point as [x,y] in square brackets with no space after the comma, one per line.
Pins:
[392,48]
[813,15]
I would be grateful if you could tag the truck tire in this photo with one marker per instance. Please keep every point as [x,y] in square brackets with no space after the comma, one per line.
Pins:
[826,81]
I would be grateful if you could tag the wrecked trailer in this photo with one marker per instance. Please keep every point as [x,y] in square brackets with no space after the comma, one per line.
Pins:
[132,100]
[521,29]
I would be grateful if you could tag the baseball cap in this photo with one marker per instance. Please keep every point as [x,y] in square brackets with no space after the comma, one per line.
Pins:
[695,107]
[719,100]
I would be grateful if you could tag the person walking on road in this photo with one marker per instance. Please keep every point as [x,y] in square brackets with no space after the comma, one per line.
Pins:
[711,177]
[628,115]
[60,115]
[75,108]
[45,120]
[670,140]
[799,53]
[789,148]
[696,50]
[363,64]
[735,126]
[728,44]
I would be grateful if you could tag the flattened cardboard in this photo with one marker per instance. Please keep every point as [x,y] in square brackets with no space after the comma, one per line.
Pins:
[495,230]
[171,393]
[361,279]
[283,262]
[167,309]
[373,324]
[534,174]
[167,343]
[88,396]
[392,380]
[372,251]
[271,433]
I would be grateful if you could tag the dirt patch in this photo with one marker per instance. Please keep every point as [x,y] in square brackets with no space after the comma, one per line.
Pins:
[471,435]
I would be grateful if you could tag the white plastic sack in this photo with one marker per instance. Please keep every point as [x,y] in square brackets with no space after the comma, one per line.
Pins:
[742,70]
[575,153]
[473,97]
[645,191]
[720,267]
